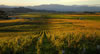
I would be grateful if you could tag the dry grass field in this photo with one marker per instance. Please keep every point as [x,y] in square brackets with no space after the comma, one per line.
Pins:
[53,34]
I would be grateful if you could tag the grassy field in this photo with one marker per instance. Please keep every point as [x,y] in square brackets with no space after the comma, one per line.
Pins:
[80,17]
[50,34]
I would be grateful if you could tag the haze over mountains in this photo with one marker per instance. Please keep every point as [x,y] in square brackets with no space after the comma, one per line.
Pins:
[57,7]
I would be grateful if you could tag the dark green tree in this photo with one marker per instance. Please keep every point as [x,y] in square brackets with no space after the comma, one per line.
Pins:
[3,15]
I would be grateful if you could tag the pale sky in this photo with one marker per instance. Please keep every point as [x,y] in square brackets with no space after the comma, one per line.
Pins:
[41,2]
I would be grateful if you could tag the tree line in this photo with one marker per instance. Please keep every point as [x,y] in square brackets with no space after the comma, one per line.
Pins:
[3,14]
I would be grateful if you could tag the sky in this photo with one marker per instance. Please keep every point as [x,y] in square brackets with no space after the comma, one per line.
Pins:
[41,2]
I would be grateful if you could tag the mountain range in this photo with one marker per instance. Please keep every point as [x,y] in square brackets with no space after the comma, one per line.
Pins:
[57,7]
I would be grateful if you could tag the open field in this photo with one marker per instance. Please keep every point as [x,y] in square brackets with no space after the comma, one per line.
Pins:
[50,34]
[93,17]
[83,17]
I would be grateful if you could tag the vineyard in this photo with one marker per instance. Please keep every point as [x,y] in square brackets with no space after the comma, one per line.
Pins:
[50,35]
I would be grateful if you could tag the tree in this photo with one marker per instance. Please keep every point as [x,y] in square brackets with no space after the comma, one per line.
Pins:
[3,15]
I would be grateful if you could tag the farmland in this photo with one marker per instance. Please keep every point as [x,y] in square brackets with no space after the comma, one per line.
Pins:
[50,34]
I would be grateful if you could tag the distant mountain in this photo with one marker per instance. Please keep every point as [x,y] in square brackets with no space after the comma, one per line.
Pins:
[16,10]
[56,7]
[22,10]
[5,6]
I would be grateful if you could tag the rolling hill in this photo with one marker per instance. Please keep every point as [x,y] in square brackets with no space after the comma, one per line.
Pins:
[55,7]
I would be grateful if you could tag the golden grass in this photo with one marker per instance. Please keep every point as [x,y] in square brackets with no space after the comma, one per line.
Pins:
[81,15]
[12,21]
[60,32]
